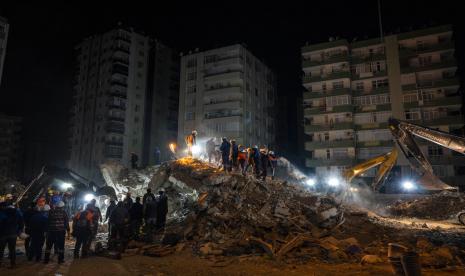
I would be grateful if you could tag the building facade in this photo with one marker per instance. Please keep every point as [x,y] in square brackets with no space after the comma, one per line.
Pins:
[113,99]
[4,26]
[354,88]
[10,146]
[227,92]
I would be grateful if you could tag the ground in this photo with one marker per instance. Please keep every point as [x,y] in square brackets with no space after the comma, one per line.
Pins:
[184,263]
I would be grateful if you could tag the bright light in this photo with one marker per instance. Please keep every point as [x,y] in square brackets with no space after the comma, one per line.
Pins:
[173,148]
[196,149]
[66,186]
[353,189]
[408,185]
[333,182]
[88,197]
[310,182]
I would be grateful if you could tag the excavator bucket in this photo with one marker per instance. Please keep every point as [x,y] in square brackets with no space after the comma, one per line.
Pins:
[430,182]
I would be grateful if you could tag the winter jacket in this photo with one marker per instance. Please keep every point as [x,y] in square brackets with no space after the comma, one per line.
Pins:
[128,203]
[58,220]
[225,148]
[119,216]
[82,223]
[162,208]
[11,221]
[38,222]
[234,151]
[150,209]
[109,210]
[135,213]
[242,155]
[146,196]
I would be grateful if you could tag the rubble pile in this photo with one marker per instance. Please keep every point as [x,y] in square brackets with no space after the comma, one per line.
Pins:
[441,206]
[229,214]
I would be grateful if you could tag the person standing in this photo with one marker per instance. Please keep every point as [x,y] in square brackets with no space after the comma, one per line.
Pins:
[11,225]
[191,141]
[148,195]
[150,215]
[242,159]
[210,147]
[234,152]
[27,226]
[119,218]
[38,228]
[134,160]
[264,160]
[135,215]
[273,163]
[157,156]
[82,230]
[128,201]
[110,209]
[96,217]
[58,226]
[225,149]
[162,209]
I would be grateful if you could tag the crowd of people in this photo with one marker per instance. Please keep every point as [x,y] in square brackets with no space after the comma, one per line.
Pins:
[45,224]
[239,158]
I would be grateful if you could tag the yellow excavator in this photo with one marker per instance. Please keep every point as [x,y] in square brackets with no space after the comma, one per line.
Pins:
[403,133]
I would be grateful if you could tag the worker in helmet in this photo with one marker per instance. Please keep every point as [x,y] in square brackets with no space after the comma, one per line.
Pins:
[191,141]
[273,162]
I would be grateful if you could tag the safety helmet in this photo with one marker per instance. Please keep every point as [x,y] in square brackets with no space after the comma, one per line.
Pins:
[194,132]
[60,204]
[271,152]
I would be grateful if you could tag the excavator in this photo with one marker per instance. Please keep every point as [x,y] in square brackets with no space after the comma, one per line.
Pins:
[52,178]
[404,133]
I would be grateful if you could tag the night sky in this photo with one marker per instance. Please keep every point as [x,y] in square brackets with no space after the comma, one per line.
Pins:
[37,80]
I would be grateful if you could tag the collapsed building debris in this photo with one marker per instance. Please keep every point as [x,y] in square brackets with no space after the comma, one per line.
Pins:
[220,215]
[440,206]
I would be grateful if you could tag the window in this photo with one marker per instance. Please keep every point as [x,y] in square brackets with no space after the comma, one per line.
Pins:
[191,89]
[326,136]
[359,86]
[137,108]
[380,83]
[338,85]
[191,75]
[210,59]
[337,100]
[190,115]
[408,98]
[411,115]
[425,60]
[192,62]
[323,87]
[256,92]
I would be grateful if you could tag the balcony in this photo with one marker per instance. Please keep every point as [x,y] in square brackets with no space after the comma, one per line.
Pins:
[117,93]
[114,143]
[369,144]
[447,120]
[431,84]
[121,60]
[232,90]
[115,119]
[327,60]
[369,75]
[409,52]
[373,108]
[328,93]
[445,101]
[343,143]
[367,58]
[233,104]
[442,64]
[118,83]
[379,90]
[225,75]
[222,115]
[317,162]
[335,126]
[330,76]
[371,126]
[112,105]
[326,110]
[325,45]
[115,127]
[212,74]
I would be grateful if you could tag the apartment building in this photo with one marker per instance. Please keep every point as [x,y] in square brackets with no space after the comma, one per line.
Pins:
[119,85]
[354,88]
[4,26]
[10,146]
[227,92]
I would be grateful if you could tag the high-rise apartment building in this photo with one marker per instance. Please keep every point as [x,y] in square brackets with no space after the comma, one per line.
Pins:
[4,26]
[118,86]
[10,146]
[227,92]
[354,88]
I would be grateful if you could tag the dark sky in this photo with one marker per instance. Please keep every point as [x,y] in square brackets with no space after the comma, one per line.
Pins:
[37,80]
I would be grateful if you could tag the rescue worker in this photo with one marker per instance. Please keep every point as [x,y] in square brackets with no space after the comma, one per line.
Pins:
[234,152]
[150,215]
[110,209]
[135,215]
[273,163]
[162,209]
[134,160]
[96,218]
[27,229]
[191,140]
[11,225]
[157,156]
[225,149]
[82,230]
[147,195]
[242,158]
[56,197]
[38,228]
[264,160]
[119,218]
[58,226]
[128,201]
[210,147]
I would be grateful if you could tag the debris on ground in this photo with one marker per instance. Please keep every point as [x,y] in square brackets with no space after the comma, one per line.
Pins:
[440,206]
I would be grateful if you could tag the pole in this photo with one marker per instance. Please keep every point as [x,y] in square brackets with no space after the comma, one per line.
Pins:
[380,22]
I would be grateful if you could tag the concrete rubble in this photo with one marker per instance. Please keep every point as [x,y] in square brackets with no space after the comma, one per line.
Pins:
[220,216]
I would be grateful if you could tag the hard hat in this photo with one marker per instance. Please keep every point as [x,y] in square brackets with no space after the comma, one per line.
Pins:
[271,152]
[194,132]
[60,204]
[46,208]
[9,196]
[162,189]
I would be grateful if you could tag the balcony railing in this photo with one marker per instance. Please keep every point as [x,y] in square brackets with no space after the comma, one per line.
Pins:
[408,52]
[336,126]
[324,109]
[455,100]
[328,93]
[368,144]
[327,60]
[320,162]
[342,143]
[333,75]
[430,84]
[371,126]
[442,64]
